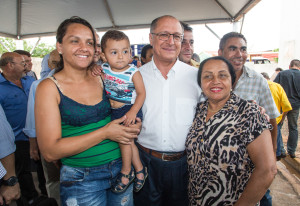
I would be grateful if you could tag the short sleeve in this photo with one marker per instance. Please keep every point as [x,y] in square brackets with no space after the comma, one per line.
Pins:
[258,123]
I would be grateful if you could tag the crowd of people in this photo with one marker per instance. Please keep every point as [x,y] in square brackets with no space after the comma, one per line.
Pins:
[104,128]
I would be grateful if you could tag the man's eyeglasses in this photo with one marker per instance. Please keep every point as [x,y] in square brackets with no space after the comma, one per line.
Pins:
[164,36]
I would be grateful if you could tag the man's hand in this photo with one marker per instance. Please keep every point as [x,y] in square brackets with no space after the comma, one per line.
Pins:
[137,125]
[262,111]
[9,193]
[34,149]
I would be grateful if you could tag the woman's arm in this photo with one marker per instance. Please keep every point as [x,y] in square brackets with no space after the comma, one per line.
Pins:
[48,128]
[137,80]
[262,155]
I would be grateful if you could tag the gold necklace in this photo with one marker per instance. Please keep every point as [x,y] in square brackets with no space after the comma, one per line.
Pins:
[215,111]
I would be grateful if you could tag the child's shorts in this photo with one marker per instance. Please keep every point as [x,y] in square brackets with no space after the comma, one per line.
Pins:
[120,112]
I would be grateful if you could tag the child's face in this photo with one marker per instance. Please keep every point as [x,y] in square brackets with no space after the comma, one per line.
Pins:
[117,54]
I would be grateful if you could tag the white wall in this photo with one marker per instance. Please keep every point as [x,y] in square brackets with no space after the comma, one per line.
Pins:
[37,65]
[289,33]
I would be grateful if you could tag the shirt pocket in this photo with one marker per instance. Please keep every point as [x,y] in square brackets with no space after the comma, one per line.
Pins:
[185,111]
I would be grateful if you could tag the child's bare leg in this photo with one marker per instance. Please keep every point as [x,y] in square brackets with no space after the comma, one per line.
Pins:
[126,161]
[136,161]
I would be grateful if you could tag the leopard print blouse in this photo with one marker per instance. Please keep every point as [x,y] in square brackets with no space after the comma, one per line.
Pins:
[219,165]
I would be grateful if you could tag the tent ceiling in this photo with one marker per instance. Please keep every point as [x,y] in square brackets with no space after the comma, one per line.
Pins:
[32,18]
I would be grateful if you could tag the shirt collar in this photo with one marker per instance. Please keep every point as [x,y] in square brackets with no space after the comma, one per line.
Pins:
[173,69]
[2,79]
[247,72]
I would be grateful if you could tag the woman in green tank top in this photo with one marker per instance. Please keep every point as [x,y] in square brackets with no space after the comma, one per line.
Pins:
[73,122]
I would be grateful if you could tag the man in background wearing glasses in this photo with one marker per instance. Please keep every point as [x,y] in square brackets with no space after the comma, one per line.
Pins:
[187,46]
[14,90]
[172,93]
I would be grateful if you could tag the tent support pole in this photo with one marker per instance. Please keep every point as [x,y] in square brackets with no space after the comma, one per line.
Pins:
[214,33]
[109,13]
[37,42]
[242,23]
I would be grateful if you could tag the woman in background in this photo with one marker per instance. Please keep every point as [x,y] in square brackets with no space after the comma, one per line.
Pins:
[146,54]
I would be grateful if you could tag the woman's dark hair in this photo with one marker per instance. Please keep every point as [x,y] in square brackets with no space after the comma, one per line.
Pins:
[229,66]
[144,52]
[61,32]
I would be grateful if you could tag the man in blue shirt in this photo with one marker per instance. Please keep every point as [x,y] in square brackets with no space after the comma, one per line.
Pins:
[9,187]
[14,90]
[49,63]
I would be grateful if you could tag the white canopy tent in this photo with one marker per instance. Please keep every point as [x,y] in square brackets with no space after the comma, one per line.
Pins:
[21,19]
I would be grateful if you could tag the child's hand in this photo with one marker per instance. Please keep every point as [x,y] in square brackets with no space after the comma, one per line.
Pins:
[130,118]
[97,70]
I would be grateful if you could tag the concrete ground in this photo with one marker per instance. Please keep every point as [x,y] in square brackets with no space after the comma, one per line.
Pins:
[285,189]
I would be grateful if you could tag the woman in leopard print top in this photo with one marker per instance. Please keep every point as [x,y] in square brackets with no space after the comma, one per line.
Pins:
[229,147]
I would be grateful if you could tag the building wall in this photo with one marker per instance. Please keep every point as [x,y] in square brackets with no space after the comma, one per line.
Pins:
[290,33]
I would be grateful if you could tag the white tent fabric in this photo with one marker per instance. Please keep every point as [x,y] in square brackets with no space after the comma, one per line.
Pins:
[32,18]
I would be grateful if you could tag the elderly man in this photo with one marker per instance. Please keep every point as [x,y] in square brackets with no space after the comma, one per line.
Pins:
[289,80]
[9,186]
[249,84]
[168,110]
[187,46]
[14,90]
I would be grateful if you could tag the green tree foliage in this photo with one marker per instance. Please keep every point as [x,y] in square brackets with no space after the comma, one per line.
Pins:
[40,50]
[9,43]
[276,58]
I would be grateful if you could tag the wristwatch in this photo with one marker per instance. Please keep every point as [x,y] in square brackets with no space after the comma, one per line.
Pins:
[10,181]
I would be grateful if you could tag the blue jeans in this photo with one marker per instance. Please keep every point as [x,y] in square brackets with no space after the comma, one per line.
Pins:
[280,148]
[91,186]
[292,142]
[266,200]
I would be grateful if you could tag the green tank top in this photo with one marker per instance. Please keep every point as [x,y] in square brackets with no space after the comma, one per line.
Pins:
[78,119]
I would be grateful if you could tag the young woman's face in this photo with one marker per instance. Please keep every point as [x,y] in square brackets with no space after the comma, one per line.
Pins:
[77,47]
[216,80]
